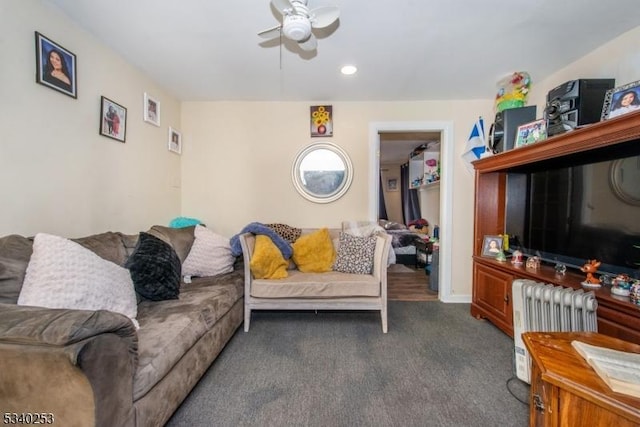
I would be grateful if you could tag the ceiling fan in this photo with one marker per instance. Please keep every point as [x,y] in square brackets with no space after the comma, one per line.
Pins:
[298,21]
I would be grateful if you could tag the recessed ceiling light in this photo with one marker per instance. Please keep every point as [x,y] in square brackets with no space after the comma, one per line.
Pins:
[348,70]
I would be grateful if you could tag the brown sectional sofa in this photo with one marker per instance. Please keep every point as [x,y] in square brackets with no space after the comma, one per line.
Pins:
[91,368]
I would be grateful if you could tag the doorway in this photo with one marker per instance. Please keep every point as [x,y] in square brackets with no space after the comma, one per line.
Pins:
[445,129]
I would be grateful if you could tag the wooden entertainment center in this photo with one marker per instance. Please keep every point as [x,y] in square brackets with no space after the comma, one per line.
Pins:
[617,316]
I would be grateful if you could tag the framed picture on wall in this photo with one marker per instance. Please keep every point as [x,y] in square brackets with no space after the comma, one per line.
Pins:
[151,110]
[55,66]
[621,100]
[321,120]
[392,184]
[175,141]
[113,120]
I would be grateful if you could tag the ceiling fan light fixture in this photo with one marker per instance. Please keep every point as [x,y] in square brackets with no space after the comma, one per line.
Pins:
[349,70]
[296,28]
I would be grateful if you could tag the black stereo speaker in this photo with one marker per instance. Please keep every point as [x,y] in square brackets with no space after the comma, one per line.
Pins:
[502,134]
[575,103]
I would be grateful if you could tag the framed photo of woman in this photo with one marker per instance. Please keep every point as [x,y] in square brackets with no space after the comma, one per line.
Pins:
[492,246]
[621,100]
[113,120]
[55,66]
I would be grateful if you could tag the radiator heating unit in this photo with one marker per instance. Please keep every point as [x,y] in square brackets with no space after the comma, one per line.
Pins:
[548,308]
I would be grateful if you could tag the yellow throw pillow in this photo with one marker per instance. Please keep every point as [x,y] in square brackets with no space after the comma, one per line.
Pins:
[314,252]
[267,261]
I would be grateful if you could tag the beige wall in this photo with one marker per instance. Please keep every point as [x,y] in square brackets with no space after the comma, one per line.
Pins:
[619,59]
[238,155]
[237,164]
[58,174]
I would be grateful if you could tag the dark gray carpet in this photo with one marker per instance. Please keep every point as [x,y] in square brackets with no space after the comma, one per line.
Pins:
[437,366]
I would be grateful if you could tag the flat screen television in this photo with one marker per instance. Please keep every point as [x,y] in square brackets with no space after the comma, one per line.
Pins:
[571,214]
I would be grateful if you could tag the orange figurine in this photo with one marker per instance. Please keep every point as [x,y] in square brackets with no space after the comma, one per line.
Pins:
[590,267]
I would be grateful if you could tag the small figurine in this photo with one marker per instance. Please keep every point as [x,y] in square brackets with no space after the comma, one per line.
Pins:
[621,285]
[533,262]
[501,257]
[516,258]
[590,267]
[561,269]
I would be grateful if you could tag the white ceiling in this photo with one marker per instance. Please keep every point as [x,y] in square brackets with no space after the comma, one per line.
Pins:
[404,49]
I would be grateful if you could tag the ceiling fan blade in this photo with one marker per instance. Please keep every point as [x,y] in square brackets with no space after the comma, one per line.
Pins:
[309,44]
[271,32]
[283,6]
[323,16]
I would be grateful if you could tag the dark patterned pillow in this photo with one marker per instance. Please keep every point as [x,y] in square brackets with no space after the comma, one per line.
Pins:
[155,269]
[355,254]
[285,231]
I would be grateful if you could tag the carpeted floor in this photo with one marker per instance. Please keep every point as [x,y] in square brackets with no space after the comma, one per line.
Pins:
[437,366]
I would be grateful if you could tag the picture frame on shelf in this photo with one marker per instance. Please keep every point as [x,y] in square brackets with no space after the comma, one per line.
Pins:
[392,184]
[530,133]
[151,110]
[492,246]
[55,66]
[113,120]
[621,100]
[175,141]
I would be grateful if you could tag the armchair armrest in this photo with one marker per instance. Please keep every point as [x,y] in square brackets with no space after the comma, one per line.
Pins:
[75,364]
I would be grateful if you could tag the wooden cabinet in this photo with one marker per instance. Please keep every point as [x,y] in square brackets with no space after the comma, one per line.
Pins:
[566,391]
[491,279]
[492,296]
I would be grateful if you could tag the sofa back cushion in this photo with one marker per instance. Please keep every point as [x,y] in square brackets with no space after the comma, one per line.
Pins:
[180,239]
[15,252]
[63,274]
[107,246]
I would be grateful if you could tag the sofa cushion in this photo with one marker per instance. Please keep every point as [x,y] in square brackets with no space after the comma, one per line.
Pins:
[210,254]
[314,252]
[317,285]
[355,254]
[267,261]
[168,329]
[63,274]
[15,252]
[180,239]
[107,245]
[155,269]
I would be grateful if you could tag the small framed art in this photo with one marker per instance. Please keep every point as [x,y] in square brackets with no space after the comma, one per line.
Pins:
[621,100]
[113,119]
[151,110]
[55,66]
[175,141]
[530,133]
[392,184]
[321,120]
[492,246]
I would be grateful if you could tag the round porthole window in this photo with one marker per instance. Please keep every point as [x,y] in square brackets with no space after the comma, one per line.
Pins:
[322,172]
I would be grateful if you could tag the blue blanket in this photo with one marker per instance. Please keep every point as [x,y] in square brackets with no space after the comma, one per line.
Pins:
[258,228]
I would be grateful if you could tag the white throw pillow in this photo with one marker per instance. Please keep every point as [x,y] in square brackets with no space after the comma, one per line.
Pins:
[64,274]
[210,255]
